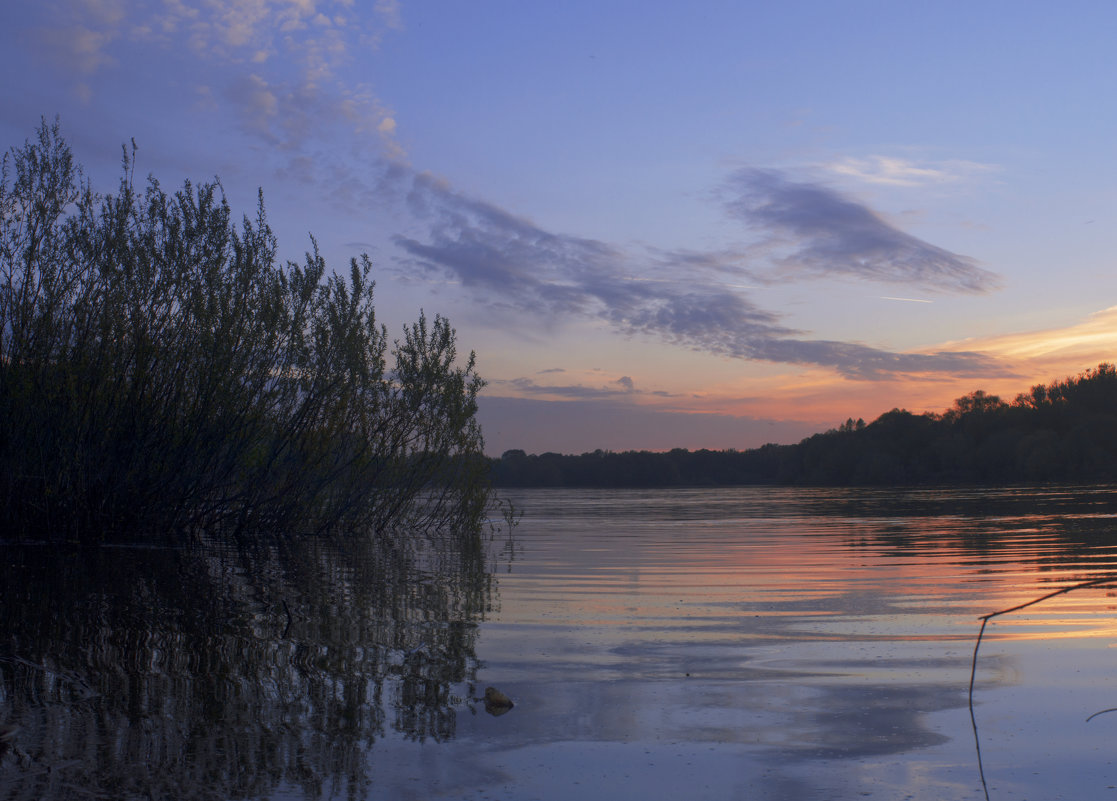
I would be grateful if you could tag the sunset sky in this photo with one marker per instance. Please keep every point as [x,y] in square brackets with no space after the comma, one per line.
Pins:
[710,224]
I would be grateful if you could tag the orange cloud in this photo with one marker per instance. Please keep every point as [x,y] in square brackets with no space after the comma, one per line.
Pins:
[1085,344]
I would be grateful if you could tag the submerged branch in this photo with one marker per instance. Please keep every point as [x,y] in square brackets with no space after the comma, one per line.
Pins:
[1102,712]
[977,645]
[986,618]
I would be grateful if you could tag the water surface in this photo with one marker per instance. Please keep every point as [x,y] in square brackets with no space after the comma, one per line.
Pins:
[752,643]
[777,644]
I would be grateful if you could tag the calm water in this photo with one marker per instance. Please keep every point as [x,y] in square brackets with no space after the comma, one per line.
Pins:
[744,643]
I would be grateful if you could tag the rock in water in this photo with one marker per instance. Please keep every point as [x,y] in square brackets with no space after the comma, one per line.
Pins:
[496,702]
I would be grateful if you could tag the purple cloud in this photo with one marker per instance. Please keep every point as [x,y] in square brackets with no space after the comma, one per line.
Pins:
[510,263]
[817,230]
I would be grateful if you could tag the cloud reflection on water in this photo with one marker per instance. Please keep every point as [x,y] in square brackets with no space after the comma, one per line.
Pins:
[827,636]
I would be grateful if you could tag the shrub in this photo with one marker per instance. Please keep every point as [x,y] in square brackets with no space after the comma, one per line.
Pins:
[161,372]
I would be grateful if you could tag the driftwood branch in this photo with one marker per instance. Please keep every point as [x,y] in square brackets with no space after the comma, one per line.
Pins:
[986,618]
[1111,709]
[977,645]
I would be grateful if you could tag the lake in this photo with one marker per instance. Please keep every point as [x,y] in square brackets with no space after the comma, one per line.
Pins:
[752,643]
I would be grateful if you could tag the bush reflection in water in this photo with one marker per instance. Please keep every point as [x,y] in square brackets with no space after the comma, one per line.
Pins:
[220,673]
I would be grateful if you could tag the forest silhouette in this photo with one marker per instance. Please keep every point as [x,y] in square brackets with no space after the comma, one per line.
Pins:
[1065,431]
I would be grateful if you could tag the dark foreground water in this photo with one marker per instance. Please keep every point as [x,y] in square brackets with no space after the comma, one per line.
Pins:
[744,643]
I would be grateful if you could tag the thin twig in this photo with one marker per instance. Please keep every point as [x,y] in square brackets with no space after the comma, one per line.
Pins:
[1111,709]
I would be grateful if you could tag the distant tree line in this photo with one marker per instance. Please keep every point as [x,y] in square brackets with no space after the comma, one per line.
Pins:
[162,372]
[1063,431]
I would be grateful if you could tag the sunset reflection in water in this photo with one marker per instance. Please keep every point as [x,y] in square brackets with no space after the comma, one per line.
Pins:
[750,643]
[768,643]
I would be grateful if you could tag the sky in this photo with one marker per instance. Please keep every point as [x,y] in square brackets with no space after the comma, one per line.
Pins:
[705,225]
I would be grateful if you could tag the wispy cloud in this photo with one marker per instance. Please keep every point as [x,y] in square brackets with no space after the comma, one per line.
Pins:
[505,258]
[1082,344]
[281,66]
[513,265]
[895,171]
[623,386]
[856,361]
[79,49]
[286,70]
[809,229]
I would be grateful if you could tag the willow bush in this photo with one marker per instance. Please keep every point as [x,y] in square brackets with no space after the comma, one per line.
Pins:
[161,372]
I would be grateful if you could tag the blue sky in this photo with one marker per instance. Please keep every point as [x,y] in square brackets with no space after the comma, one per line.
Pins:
[711,224]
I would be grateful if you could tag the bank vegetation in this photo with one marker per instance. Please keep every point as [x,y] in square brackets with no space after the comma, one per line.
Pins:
[162,372]
[1065,431]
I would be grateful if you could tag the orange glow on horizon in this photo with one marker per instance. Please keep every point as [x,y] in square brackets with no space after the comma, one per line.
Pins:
[818,394]
[818,398]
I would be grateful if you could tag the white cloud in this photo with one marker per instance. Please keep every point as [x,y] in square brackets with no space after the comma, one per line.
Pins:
[895,171]
[280,65]
[79,48]
[389,12]
[107,11]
